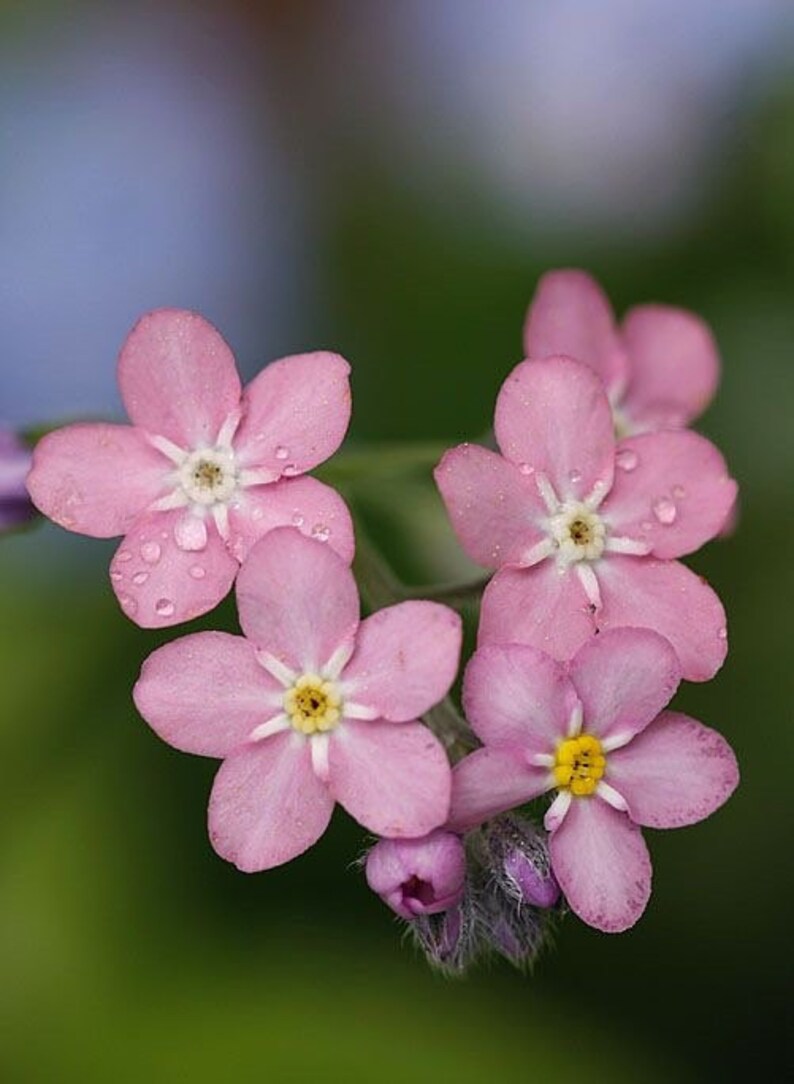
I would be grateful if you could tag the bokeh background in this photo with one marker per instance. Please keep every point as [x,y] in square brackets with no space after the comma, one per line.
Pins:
[387,180]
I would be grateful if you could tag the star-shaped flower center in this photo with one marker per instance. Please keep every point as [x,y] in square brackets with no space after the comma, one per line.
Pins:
[313,704]
[578,532]
[208,476]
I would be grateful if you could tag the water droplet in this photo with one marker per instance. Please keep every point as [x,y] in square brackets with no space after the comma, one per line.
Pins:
[290,470]
[281,452]
[679,492]
[297,520]
[575,475]
[164,607]
[525,468]
[116,576]
[123,555]
[128,604]
[150,551]
[665,511]
[190,533]
[646,525]
[140,578]
[257,514]
[197,572]
[722,633]
[627,459]
[321,532]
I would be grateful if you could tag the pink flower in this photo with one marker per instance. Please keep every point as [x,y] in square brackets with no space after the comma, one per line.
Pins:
[592,732]
[660,369]
[584,530]
[204,470]
[418,876]
[310,707]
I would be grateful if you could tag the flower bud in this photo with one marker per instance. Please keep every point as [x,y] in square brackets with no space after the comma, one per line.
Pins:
[518,857]
[516,932]
[450,940]
[418,876]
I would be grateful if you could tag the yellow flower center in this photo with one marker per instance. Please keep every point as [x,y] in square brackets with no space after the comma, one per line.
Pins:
[207,475]
[579,764]
[313,704]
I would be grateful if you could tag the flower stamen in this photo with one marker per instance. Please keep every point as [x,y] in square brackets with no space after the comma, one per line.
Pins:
[313,705]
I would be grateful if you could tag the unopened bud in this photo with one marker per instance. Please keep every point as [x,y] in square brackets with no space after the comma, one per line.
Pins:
[418,876]
[516,932]
[518,859]
[450,940]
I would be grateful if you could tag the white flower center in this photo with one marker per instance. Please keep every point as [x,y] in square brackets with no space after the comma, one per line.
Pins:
[578,532]
[313,704]
[208,476]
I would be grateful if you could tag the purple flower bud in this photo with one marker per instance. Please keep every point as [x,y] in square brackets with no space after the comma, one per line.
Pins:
[418,876]
[450,940]
[518,858]
[15,507]
[516,932]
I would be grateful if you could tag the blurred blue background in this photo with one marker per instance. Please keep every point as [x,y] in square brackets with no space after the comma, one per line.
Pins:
[387,180]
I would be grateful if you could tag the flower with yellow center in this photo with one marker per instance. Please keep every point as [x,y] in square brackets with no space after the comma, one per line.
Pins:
[579,764]
[313,704]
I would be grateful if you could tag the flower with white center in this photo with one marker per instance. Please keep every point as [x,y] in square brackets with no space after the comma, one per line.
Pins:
[660,370]
[594,734]
[583,531]
[310,707]
[205,469]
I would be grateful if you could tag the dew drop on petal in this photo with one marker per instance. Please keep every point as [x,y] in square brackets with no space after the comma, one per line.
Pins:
[679,492]
[665,511]
[164,607]
[140,578]
[627,459]
[575,475]
[646,525]
[150,551]
[128,604]
[525,468]
[321,532]
[297,520]
[290,470]
[123,556]
[257,514]
[116,576]
[190,533]
[281,452]
[197,572]
[722,633]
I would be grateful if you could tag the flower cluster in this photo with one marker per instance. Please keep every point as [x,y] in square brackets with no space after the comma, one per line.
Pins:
[586,628]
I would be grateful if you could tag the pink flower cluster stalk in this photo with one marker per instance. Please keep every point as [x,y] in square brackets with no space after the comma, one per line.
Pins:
[205,469]
[586,628]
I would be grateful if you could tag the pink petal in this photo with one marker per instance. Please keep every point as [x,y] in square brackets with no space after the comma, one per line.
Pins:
[554,416]
[493,507]
[571,315]
[676,495]
[96,479]
[517,695]
[539,606]
[205,693]
[676,772]
[624,678]
[158,583]
[296,413]
[178,378]
[406,659]
[395,780]
[297,599]
[315,509]
[601,862]
[667,597]
[267,806]
[491,781]
[675,366]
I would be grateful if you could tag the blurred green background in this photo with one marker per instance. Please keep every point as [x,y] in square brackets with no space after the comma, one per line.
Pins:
[365,201]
